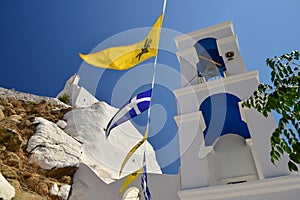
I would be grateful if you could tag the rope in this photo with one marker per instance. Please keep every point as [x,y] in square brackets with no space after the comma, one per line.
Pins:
[154,70]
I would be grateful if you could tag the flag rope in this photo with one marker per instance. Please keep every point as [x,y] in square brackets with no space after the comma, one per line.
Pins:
[153,82]
[149,110]
[154,75]
[154,70]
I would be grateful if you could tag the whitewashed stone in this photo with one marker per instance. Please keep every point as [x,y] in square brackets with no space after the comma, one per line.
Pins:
[64,191]
[61,124]
[51,147]
[54,189]
[79,96]
[7,191]
[105,156]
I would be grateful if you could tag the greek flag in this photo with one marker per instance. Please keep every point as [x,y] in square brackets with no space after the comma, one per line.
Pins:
[131,109]
[144,183]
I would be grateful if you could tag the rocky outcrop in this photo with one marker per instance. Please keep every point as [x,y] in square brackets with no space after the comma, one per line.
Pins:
[26,97]
[51,147]
[41,146]
[62,192]
[17,114]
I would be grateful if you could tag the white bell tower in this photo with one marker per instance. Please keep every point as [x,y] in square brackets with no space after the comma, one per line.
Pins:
[221,143]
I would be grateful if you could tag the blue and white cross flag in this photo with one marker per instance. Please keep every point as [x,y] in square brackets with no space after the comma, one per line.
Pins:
[131,109]
[144,181]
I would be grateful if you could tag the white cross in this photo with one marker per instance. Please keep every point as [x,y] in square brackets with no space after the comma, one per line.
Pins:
[134,103]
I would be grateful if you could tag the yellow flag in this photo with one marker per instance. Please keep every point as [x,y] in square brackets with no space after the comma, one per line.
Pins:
[133,150]
[130,178]
[125,57]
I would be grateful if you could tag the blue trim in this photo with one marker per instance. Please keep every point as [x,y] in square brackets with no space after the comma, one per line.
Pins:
[222,116]
[147,93]
[208,48]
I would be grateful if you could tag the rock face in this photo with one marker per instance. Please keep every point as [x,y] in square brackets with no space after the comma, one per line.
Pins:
[7,191]
[36,132]
[62,192]
[103,155]
[12,94]
[51,147]
[17,114]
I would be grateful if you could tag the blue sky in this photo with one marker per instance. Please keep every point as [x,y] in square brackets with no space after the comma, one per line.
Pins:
[40,42]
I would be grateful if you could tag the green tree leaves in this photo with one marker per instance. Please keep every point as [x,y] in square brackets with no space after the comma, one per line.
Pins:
[282,97]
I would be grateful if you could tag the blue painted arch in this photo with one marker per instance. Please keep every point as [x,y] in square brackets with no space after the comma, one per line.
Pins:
[222,116]
[208,49]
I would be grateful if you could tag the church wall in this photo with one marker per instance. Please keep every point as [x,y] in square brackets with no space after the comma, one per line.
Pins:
[84,98]
[285,187]
[194,172]
[261,129]
[87,185]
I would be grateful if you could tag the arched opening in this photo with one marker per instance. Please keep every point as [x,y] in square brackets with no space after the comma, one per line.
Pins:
[232,160]
[222,116]
[211,65]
